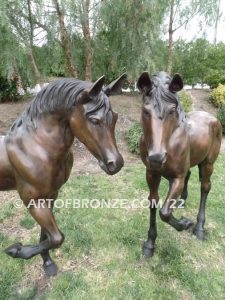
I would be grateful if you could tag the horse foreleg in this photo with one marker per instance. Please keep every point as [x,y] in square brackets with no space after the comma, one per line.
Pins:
[153,181]
[54,238]
[49,265]
[176,188]
[206,171]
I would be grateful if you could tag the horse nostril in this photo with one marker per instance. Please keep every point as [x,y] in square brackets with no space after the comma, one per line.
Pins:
[111,165]
[157,157]
[114,164]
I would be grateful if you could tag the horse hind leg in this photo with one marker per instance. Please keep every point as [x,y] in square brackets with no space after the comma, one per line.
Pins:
[45,218]
[205,171]
[184,194]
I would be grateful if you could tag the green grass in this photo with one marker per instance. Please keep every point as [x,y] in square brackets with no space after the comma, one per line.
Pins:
[101,256]
[6,212]
[27,222]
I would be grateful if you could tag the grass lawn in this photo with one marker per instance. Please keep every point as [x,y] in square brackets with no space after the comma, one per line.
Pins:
[101,257]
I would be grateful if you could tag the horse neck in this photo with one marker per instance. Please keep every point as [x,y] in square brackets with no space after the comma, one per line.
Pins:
[55,130]
[49,131]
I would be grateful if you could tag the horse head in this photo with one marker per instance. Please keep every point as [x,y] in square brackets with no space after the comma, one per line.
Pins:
[93,122]
[161,113]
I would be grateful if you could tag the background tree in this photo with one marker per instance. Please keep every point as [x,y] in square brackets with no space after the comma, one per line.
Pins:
[191,60]
[19,15]
[89,38]
[128,31]
[65,40]
[218,16]
[180,15]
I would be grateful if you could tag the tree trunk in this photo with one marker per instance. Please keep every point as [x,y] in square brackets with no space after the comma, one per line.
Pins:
[65,41]
[31,57]
[87,40]
[170,41]
[217,21]
[36,71]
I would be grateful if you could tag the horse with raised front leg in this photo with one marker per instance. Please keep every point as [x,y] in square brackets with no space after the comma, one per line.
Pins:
[36,157]
[171,144]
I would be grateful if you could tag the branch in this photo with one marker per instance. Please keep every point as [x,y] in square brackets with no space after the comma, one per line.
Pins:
[174,15]
[187,20]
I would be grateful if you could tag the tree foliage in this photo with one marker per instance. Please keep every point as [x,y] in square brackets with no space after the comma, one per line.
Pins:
[180,15]
[88,38]
[132,28]
[199,61]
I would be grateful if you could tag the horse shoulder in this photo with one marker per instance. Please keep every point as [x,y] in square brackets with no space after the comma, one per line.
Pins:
[35,166]
[179,141]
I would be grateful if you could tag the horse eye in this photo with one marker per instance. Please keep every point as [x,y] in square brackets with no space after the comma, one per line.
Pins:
[94,121]
[172,111]
[146,113]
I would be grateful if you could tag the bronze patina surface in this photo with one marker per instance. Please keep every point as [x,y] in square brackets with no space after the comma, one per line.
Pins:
[36,157]
[171,144]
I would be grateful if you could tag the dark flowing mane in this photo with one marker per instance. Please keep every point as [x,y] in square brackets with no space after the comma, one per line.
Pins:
[161,95]
[59,96]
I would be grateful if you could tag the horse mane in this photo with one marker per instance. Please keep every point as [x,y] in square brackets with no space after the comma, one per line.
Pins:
[161,96]
[59,96]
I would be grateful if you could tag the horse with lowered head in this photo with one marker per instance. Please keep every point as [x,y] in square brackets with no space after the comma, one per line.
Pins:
[171,144]
[36,157]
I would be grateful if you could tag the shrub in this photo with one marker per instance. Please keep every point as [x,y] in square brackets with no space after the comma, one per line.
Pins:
[8,90]
[221,116]
[217,96]
[133,136]
[214,78]
[185,100]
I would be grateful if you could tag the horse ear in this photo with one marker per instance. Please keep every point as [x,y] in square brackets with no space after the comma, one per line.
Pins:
[97,87]
[83,98]
[114,88]
[176,83]
[89,94]
[144,83]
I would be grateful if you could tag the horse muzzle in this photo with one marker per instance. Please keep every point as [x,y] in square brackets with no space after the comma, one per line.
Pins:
[112,166]
[157,160]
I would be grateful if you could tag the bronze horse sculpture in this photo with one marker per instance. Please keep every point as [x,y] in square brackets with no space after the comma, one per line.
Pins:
[36,157]
[171,144]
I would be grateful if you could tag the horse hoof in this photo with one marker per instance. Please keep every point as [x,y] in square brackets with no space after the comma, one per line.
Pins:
[186,223]
[147,252]
[50,269]
[13,250]
[200,234]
